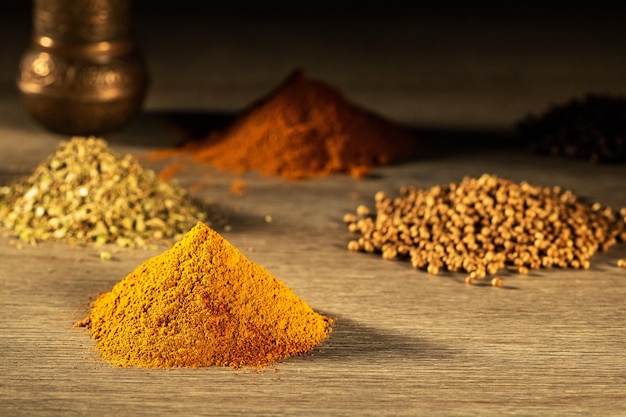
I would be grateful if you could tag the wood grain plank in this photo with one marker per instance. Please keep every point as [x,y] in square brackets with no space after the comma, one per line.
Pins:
[405,342]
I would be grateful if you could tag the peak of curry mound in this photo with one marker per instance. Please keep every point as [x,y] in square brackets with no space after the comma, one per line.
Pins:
[202,303]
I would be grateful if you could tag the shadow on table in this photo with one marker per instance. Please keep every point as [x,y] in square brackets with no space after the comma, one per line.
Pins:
[352,340]
[442,141]
[7,177]
[170,128]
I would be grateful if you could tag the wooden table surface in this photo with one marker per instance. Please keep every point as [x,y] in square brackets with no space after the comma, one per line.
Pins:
[405,342]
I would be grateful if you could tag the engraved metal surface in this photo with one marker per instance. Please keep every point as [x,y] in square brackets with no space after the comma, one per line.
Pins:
[83,73]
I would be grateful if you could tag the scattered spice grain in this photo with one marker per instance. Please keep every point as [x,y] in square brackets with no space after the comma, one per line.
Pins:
[238,186]
[305,128]
[85,193]
[621,263]
[483,225]
[169,171]
[592,128]
[106,255]
[202,303]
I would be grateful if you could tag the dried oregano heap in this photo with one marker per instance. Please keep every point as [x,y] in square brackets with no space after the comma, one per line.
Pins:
[483,225]
[85,193]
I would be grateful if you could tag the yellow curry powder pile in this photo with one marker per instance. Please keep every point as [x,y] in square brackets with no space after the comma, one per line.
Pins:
[486,224]
[85,193]
[202,303]
[305,128]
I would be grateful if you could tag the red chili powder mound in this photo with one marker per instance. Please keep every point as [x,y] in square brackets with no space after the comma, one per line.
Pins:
[305,128]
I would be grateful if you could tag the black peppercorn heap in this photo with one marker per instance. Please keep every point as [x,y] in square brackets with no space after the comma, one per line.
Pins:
[593,128]
[486,224]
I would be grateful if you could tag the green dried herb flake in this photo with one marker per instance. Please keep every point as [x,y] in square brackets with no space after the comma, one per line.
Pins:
[86,194]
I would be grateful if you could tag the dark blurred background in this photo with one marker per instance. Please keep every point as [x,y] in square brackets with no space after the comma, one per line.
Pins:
[466,65]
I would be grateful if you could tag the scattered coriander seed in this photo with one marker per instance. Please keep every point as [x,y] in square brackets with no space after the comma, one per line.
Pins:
[621,263]
[105,255]
[349,218]
[496,282]
[483,225]
[353,245]
[432,269]
[362,211]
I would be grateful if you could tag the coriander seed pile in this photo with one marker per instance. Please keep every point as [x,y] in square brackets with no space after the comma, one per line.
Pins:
[483,225]
[84,193]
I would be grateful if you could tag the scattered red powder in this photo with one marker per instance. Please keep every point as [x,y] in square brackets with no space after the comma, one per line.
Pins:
[169,171]
[238,186]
